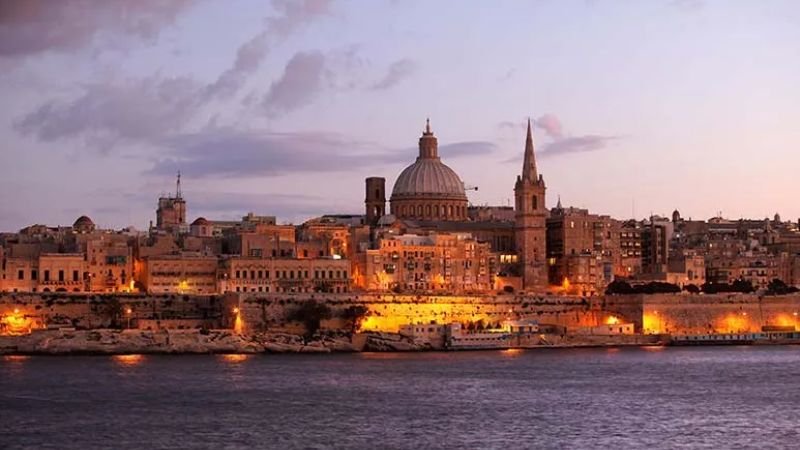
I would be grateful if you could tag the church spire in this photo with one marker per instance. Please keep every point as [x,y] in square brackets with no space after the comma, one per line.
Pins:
[529,164]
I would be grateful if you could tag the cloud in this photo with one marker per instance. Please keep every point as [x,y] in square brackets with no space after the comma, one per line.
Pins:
[397,72]
[29,27]
[576,144]
[551,125]
[250,55]
[236,153]
[234,205]
[466,149]
[231,153]
[547,122]
[300,83]
[106,113]
[560,142]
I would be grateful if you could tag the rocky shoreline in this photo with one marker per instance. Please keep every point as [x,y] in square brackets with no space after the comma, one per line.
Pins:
[116,342]
[111,342]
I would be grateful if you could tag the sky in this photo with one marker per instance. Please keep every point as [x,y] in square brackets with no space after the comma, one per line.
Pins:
[285,107]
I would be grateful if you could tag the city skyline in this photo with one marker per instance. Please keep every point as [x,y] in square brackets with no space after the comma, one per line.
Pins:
[278,117]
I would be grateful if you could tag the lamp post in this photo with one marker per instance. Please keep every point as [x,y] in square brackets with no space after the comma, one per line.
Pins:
[128,313]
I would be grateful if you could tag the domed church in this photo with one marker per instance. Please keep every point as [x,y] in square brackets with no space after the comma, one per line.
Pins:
[428,189]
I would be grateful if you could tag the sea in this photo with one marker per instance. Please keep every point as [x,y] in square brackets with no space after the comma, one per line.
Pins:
[647,397]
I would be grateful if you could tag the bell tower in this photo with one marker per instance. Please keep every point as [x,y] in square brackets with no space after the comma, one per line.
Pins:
[530,221]
[375,199]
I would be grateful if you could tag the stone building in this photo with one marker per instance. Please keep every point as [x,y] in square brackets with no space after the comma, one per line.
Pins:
[630,243]
[583,250]
[428,189]
[268,275]
[178,274]
[447,263]
[171,212]
[530,226]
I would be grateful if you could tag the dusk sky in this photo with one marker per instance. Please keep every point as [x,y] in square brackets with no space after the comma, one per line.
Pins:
[283,108]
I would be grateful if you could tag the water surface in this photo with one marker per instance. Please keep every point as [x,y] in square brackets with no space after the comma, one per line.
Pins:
[718,397]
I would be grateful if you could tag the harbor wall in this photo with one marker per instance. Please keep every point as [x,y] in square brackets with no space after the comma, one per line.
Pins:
[719,313]
[246,313]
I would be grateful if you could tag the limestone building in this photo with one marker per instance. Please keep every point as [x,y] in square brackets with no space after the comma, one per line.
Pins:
[530,225]
[427,189]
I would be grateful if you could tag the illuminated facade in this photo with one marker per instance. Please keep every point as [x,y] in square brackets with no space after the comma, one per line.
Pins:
[450,263]
[275,275]
[178,274]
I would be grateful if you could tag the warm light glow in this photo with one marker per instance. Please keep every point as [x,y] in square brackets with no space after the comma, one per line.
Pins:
[565,284]
[183,285]
[238,323]
[652,323]
[235,358]
[16,324]
[128,360]
[511,352]
[612,320]
[735,323]
[15,358]
[128,311]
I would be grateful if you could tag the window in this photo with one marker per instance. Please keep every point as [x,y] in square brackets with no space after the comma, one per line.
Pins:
[34,275]
[252,274]
[535,203]
[60,275]
[21,275]
[238,274]
[46,275]
[74,275]
[305,253]
[260,274]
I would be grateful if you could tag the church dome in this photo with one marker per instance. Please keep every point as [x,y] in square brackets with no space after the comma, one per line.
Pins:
[428,189]
[201,221]
[428,177]
[83,224]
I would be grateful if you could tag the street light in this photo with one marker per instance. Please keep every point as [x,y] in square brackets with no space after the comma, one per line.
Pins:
[128,312]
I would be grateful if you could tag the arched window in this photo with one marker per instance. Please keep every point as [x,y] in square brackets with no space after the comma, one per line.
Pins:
[436,210]
[450,211]
[535,203]
[428,210]
[419,210]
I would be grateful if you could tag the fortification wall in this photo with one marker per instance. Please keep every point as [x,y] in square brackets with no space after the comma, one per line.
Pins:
[389,312]
[720,313]
[86,311]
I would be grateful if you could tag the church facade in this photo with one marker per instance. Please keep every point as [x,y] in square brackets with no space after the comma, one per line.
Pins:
[429,197]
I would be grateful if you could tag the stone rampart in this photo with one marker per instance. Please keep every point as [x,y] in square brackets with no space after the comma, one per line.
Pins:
[703,314]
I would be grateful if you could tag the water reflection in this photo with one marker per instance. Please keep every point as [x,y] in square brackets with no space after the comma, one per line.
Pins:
[511,352]
[234,358]
[18,359]
[128,360]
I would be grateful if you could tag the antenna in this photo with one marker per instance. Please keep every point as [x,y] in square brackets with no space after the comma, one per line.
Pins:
[178,190]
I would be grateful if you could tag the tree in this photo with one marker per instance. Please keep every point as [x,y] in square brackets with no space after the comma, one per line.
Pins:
[779,287]
[692,288]
[619,287]
[311,314]
[354,315]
